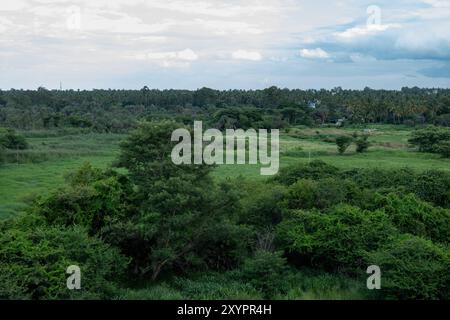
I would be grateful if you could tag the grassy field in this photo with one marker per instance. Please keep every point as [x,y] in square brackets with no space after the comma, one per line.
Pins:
[389,149]
[42,168]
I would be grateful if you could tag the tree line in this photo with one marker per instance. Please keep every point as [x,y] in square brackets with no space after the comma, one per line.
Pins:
[119,110]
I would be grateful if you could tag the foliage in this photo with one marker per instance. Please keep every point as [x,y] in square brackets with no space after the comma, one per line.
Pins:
[343,142]
[430,138]
[92,199]
[411,215]
[33,264]
[119,110]
[9,139]
[179,208]
[266,271]
[161,231]
[316,169]
[413,268]
[334,240]
[443,148]
[362,144]
[261,204]
[323,193]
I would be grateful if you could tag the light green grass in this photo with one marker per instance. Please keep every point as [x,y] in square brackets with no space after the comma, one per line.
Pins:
[58,155]
[389,150]
[19,183]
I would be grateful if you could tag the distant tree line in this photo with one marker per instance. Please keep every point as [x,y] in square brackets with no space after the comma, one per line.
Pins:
[120,110]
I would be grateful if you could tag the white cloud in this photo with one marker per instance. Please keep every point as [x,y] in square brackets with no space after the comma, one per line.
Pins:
[438,3]
[246,55]
[12,5]
[367,30]
[130,37]
[181,58]
[317,53]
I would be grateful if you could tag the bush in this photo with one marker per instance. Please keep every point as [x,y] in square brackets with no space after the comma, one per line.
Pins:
[266,271]
[224,246]
[308,194]
[261,204]
[443,148]
[33,264]
[343,142]
[412,268]
[93,198]
[334,240]
[433,186]
[9,139]
[411,215]
[314,170]
[362,144]
[429,139]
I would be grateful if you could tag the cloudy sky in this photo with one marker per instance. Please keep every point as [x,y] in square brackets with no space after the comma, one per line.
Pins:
[224,44]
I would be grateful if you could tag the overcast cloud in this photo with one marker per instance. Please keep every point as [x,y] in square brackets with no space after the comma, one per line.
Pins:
[224,44]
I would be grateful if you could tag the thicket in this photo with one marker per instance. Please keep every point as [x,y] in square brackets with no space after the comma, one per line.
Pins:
[310,232]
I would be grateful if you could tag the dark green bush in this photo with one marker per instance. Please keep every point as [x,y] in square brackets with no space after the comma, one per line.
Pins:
[93,198]
[314,170]
[266,271]
[362,144]
[343,142]
[334,240]
[308,194]
[443,148]
[432,186]
[411,215]
[9,139]
[33,264]
[429,138]
[412,268]
[261,204]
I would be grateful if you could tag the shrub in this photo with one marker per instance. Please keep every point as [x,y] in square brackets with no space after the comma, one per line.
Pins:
[334,240]
[93,198]
[314,170]
[343,142]
[9,139]
[33,264]
[429,138]
[266,271]
[261,204]
[443,120]
[433,186]
[307,194]
[224,246]
[362,144]
[411,215]
[443,148]
[412,268]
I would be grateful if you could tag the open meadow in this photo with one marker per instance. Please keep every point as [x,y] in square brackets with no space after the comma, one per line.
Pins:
[52,155]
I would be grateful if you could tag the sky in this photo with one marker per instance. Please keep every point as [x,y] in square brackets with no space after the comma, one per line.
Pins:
[251,44]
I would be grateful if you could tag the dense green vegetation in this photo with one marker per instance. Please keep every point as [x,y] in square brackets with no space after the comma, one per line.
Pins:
[119,110]
[85,190]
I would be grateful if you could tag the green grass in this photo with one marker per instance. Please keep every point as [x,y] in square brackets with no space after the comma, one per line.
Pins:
[42,168]
[19,183]
[389,150]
